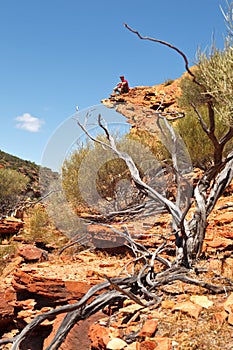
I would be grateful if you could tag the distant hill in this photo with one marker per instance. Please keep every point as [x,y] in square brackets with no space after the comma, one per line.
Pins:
[27,168]
[23,166]
[9,161]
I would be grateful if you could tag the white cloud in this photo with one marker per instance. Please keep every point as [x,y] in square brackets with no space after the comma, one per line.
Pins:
[29,123]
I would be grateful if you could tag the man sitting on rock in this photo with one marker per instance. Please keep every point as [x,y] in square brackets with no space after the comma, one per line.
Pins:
[122,87]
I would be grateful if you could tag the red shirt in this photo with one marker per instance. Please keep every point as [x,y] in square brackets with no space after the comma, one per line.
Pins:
[125,86]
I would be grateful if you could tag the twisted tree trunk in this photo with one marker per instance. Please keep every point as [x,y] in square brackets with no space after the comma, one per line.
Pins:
[206,194]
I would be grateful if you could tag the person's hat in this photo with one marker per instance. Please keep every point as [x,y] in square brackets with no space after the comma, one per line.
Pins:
[122,76]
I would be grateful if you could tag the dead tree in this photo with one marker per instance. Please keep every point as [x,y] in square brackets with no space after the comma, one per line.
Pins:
[191,234]
[142,286]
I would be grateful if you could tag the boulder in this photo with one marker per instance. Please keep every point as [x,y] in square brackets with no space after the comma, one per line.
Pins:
[48,291]
[31,253]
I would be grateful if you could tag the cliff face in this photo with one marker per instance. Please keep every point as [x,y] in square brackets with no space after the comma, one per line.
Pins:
[161,98]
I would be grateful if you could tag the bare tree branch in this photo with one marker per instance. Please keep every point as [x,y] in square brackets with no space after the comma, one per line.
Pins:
[200,119]
[227,137]
[171,207]
[163,43]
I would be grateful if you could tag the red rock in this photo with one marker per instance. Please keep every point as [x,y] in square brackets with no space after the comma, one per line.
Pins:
[148,345]
[150,97]
[74,286]
[10,226]
[149,328]
[224,218]
[6,309]
[99,336]
[103,238]
[107,264]
[167,304]
[220,316]
[218,242]
[51,291]
[90,273]
[32,253]
[10,295]
[77,335]
[158,343]
[189,308]
[163,343]
[226,232]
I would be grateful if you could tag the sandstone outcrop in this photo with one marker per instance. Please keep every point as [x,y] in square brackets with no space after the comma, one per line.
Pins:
[10,226]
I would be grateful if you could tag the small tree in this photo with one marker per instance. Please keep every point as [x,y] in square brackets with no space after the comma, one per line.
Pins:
[12,187]
[108,175]
[197,141]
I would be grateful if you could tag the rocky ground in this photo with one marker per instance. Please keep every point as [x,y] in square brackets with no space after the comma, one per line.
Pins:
[187,317]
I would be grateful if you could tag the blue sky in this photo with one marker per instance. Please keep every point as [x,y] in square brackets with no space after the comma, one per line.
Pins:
[56,54]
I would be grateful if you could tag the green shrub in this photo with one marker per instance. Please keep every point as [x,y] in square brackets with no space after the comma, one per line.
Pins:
[39,228]
[12,187]
[90,174]
[168,82]
[39,224]
[70,174]
[215,74]
[93,175]
[197,142]
[150,141]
